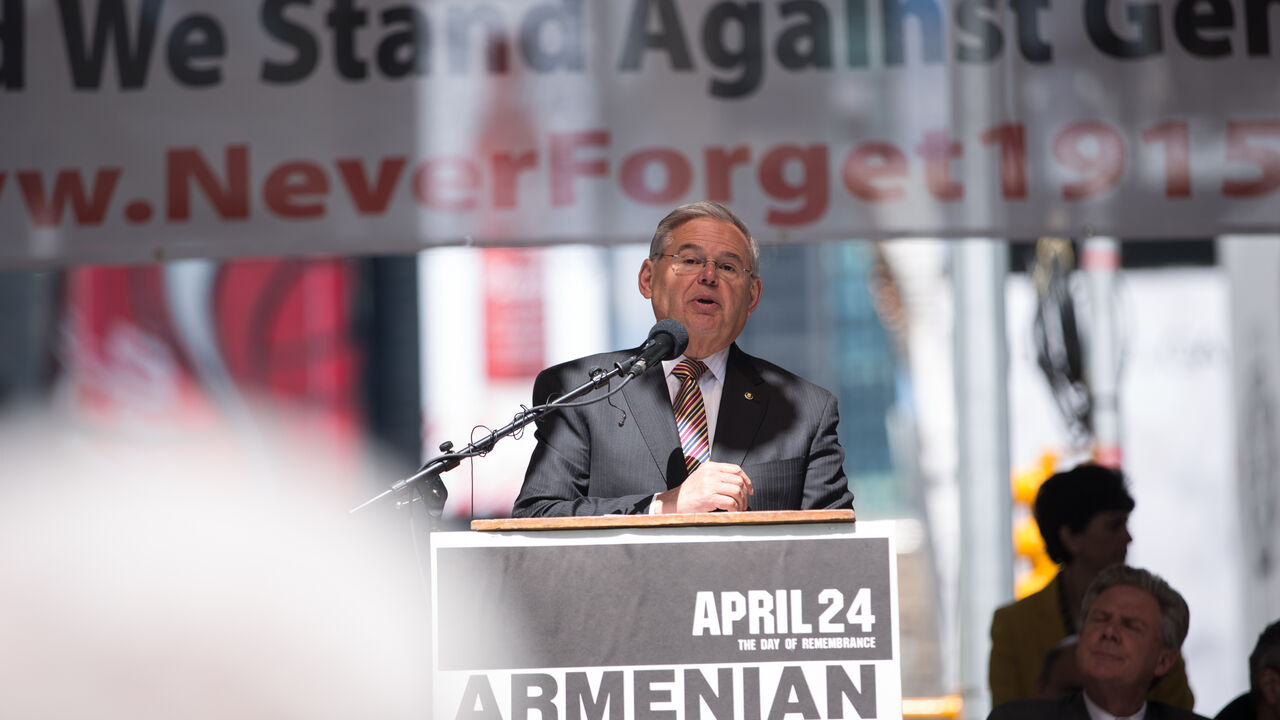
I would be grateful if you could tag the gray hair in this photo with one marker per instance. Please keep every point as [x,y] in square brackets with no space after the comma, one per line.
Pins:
[1175,616]
[703,209]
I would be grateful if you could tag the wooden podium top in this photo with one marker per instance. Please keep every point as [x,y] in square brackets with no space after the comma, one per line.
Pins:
[770,517]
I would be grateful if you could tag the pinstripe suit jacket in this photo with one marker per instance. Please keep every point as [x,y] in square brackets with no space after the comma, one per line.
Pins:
[605,459]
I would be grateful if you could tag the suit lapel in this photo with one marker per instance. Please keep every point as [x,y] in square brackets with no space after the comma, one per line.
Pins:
[744,401]
[650,403]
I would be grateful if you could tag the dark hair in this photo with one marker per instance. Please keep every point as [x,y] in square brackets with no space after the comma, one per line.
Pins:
[1266,654]
[1071,499]
[703,209]
[1175,616]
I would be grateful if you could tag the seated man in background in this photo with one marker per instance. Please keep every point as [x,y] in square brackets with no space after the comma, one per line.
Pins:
[1131,632]
[1262,702]
[713,429]
[1083,516]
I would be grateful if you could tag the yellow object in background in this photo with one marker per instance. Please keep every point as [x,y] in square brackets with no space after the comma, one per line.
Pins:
[1027,542]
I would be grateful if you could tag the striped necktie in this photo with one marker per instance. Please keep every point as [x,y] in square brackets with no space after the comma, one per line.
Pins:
[691,414]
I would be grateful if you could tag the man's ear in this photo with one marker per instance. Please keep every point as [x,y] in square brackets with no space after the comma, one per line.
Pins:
[646,279]
[757,289]
[1165,661]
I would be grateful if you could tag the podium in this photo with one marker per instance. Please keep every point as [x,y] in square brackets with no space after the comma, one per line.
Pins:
[712,615]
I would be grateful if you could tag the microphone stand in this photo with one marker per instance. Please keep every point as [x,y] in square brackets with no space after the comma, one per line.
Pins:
[432,489]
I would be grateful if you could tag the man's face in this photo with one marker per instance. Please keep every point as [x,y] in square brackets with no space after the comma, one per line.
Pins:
[1103,541]
[714,309]
[1269,689]
[1120,643]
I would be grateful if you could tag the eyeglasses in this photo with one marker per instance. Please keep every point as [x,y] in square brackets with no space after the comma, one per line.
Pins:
[690,264]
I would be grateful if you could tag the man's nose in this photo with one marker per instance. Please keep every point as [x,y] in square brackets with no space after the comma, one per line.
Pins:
[708,273]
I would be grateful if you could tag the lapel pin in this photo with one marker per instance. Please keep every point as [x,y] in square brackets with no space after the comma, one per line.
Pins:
[748,396]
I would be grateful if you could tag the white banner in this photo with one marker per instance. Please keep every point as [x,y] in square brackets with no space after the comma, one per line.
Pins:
[136,130]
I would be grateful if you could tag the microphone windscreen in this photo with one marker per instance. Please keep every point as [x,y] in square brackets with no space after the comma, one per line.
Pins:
[679,336]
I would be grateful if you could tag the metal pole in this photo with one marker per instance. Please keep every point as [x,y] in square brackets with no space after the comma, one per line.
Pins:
[982,406]
[1100,260]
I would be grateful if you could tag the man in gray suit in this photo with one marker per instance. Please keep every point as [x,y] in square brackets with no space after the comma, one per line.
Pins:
[1131,632]
[772,435]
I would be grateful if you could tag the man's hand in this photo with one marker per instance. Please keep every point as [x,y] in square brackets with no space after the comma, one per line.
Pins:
[713,486]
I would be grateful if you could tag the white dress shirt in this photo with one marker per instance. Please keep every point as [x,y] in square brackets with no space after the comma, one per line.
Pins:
[711,384]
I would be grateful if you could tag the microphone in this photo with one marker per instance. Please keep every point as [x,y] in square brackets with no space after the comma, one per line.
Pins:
[667,340]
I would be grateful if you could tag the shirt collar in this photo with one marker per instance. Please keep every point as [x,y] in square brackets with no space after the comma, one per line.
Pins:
[716,364]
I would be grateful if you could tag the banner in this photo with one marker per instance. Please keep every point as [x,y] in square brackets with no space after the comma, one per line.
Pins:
[755,622]
[205,348]
[140,130]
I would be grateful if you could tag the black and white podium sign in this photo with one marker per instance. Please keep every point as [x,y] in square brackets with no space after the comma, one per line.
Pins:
[750,622]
